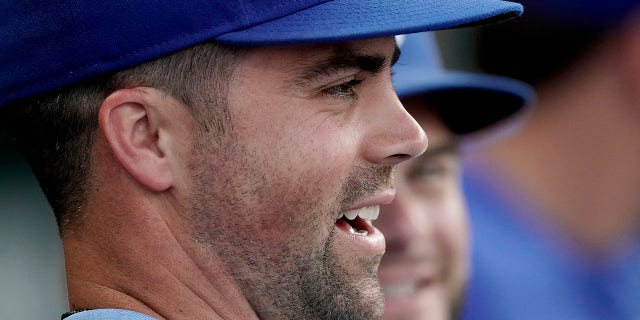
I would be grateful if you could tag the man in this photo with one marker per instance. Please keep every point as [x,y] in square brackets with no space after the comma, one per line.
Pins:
[201,169]
[425,268]
[555,207]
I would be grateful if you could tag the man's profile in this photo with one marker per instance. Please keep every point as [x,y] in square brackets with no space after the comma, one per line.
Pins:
[218,160]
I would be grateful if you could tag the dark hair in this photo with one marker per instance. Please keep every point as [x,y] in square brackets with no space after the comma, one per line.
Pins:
[55,131]
[531,50]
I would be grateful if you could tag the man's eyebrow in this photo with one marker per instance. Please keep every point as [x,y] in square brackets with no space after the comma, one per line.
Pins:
[344,59]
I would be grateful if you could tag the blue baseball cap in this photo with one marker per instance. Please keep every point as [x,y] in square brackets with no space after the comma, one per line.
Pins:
[466,102]
[47,45]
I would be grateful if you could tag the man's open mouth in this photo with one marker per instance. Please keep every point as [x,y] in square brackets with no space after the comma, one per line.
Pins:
[358,221]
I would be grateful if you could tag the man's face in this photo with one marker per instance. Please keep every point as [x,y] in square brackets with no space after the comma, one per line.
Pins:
[425,267]
[314,132]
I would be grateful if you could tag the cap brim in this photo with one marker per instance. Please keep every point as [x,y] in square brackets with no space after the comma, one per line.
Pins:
[345,20]
[468,102]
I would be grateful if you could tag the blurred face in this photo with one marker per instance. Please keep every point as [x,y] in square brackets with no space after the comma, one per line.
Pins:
[315,132]
[425,268]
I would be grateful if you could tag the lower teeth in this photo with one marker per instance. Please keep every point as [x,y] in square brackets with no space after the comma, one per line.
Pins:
[359,232]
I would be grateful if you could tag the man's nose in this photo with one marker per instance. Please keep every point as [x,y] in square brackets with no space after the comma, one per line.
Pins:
[395,135]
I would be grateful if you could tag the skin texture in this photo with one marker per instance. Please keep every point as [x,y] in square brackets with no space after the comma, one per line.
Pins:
[425,267]
[186,225]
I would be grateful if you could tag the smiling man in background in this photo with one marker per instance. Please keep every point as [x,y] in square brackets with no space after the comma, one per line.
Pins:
[217,160]
[426,266]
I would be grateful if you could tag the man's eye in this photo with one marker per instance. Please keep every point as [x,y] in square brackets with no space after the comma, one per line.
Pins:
[427,172]
[346,89]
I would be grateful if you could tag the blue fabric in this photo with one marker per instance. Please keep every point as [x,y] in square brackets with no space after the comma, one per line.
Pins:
[525,269]
[109,314]
[420,71]
[46,45]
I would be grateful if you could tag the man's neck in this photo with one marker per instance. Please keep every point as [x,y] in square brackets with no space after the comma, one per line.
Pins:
[145,264]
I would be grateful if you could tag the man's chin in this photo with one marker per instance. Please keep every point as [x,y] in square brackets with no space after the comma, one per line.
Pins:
[372,300]
[344,286]
[365,299]
[364,303]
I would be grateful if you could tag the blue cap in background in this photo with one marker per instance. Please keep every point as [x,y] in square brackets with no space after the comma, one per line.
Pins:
[47,45]
[466,102]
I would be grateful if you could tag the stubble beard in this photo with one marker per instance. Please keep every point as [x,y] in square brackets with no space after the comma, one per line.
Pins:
[300,279]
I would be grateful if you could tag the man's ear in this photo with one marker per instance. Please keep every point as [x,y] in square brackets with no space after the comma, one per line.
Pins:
[136,125]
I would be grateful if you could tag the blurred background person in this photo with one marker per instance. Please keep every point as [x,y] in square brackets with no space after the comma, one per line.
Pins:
[556,208]
[425,267]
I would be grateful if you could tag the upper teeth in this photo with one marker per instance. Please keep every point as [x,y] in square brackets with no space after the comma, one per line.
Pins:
[398,290]
[368,213]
